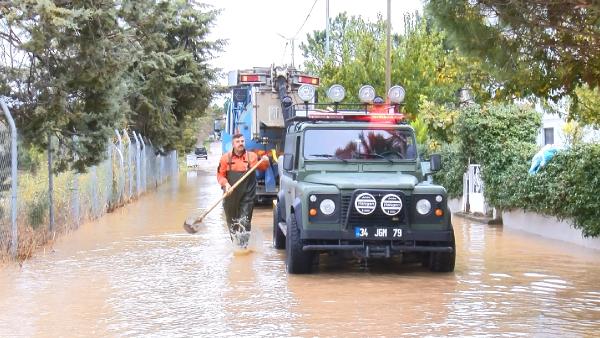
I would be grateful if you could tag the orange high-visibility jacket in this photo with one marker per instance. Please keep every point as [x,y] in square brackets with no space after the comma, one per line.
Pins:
[238,163]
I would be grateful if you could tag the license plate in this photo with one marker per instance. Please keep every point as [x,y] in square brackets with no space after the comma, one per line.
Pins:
[376,232]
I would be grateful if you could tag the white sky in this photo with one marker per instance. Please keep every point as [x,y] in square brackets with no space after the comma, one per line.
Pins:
[252,26]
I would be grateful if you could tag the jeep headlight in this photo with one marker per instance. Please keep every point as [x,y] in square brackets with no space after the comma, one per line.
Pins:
[327,206]
[423,206]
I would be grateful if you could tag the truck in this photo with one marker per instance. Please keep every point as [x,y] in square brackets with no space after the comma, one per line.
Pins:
[259,102]
[352,181]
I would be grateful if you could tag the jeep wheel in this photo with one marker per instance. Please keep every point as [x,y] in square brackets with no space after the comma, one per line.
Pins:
[443,261]
[297,261]
[278,237]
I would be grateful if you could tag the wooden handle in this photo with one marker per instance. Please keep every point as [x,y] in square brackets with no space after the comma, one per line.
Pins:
[201,217]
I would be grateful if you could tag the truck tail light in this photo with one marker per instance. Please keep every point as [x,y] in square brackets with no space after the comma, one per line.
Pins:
[308,80]
[250,78]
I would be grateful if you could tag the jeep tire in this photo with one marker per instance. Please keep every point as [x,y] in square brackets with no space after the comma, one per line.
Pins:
[443,261]
[297,261]
[278,236]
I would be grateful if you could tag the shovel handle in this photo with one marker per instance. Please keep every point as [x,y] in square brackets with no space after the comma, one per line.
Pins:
[251,170]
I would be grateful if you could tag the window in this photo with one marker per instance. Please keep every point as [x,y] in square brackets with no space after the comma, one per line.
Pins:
[359,144]
[548,135]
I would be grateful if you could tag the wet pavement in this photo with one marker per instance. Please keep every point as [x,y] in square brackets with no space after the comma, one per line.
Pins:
[135,272]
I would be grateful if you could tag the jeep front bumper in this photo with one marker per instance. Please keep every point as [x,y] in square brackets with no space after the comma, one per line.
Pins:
[411,241]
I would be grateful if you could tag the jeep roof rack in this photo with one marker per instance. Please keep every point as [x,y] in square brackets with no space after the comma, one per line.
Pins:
[359,112]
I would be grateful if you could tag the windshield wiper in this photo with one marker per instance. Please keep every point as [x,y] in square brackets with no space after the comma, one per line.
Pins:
[376,155]
[330,156]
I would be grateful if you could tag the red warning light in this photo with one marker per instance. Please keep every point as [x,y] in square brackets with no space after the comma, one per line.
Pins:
[308,80]
[250,78]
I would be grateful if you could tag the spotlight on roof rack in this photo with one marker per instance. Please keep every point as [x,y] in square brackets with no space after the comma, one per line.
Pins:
[396,94]
[336,93]
[366,94]
[378,100]
[306,92]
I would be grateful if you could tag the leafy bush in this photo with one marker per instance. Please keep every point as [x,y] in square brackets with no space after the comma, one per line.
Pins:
[501,138]
[453,167]
[567,187]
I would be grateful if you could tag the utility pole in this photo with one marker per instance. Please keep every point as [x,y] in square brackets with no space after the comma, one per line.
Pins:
[293,52]
[388,57]
[327,29]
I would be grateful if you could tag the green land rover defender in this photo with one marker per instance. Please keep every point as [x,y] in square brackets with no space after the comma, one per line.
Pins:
[352,180]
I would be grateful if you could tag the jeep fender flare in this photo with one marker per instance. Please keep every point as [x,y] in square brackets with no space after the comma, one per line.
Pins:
[297,210]
[281,205]
[280,198]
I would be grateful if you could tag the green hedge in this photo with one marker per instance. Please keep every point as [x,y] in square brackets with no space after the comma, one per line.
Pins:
[453,167]
[567,187]
[501,137]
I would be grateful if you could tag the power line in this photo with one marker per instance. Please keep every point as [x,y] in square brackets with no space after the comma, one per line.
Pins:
[309,13]
[291,40]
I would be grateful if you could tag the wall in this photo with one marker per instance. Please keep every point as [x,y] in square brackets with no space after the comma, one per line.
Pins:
[548,227]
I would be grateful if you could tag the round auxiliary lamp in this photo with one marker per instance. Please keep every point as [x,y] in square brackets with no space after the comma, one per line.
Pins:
[336,93]
[396,94]
[366,94]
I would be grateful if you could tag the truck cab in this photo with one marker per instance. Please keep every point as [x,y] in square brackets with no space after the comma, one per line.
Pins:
[352,180]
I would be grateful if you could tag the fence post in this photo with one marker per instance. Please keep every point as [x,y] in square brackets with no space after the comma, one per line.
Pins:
[50,185]
[144,169]
[13,174]
[75,187]
[175,164]
[95,195]
[138,180]
[129,163]
[109,193]
[121,178]
[161,169]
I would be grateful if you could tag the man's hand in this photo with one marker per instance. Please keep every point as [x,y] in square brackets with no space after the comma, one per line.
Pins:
[226,188]
[265,158]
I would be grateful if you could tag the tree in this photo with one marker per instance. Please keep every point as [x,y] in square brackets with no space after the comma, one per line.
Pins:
[430,72]
[533,47]
[357,55]
[586,106]
[87,67]
[170,80]
[70,83]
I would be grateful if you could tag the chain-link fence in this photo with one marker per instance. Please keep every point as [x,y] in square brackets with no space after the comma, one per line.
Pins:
[46,204]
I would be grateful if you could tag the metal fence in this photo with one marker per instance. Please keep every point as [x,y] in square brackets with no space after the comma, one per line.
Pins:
[40,204]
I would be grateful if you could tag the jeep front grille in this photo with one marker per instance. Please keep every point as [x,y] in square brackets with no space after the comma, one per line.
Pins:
[351,217]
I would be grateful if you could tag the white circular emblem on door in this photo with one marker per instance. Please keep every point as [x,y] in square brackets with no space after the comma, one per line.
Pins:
[365,203]
[391,204]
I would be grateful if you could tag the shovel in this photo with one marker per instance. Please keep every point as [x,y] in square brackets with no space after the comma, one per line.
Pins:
[192,225]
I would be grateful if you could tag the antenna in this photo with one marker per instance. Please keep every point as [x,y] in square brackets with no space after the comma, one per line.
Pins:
[292,42]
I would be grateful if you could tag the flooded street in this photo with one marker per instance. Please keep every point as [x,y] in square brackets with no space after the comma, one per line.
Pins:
[135,272]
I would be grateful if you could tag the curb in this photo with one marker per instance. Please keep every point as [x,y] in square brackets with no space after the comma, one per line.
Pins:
[479,218]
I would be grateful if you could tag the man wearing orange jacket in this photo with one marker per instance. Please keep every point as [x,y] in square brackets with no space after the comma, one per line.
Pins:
[233,165]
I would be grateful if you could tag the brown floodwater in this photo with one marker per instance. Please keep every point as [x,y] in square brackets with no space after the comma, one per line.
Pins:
[135,272]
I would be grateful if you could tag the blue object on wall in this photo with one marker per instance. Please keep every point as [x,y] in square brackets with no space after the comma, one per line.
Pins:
[542,157]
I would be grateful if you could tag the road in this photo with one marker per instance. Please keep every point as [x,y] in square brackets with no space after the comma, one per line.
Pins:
[136,273]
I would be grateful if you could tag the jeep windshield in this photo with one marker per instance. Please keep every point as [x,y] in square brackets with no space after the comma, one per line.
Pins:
[359,144]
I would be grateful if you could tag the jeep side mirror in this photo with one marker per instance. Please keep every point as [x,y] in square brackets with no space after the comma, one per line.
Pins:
[435,162]
[288,162]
